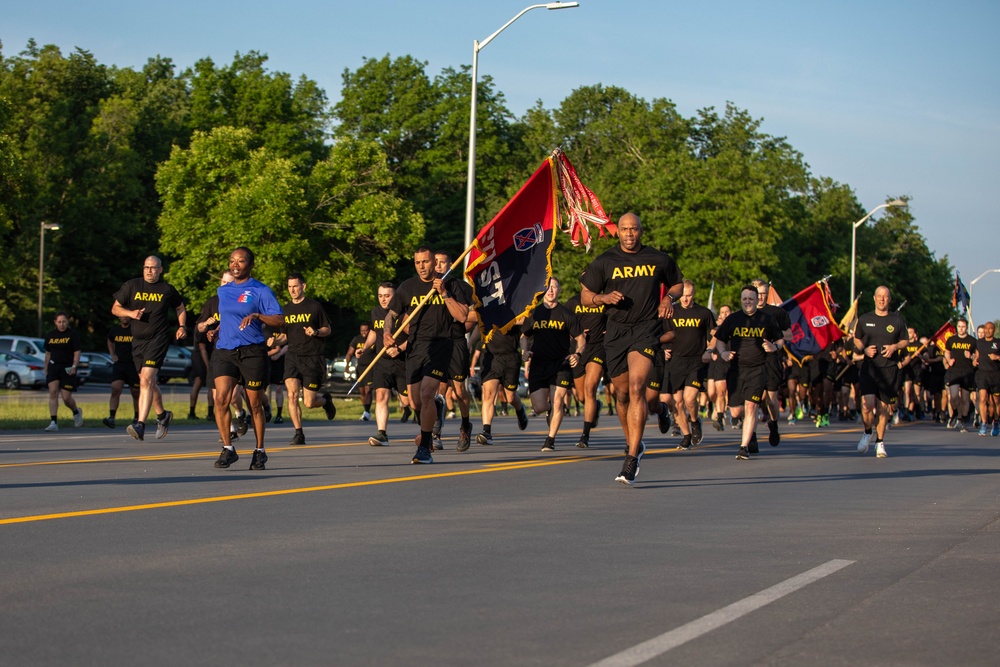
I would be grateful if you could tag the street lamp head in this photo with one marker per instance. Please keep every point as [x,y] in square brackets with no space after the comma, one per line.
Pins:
[898,202]
[47,225]
[561,5]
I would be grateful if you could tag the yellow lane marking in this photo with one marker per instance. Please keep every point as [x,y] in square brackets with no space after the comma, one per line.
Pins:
[285,492]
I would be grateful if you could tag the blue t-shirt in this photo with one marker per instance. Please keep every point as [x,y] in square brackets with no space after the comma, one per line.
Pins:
[236,301]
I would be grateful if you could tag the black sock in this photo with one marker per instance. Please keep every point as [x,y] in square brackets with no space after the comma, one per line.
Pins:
[161,416]
[112,413]
[279,410]
[425,439]
[587,426]
[53,417]
[868,431]
[488,429]
[466,424]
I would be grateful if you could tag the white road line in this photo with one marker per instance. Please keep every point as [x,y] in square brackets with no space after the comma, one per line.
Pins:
[656,646]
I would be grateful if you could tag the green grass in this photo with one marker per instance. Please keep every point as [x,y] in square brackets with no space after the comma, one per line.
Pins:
[18,412]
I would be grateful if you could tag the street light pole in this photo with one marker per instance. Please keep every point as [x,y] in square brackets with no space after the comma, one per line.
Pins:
[470,197]
[854,235]
[41,267]
[971,285]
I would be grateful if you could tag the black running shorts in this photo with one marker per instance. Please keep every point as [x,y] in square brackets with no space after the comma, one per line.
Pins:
[249,364]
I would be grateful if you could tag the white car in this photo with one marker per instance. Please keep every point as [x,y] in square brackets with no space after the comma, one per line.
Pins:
[21,370]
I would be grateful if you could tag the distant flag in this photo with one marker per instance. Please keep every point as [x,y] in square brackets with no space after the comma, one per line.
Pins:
[813,326]
[960,299]
[772,296]
[711,298]
[850,319]
[943,334]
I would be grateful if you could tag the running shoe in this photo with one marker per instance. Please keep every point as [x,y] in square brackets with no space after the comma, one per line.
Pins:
[227,458]
[241,422]
[439,404]
[380,439]
[663,418]
[328,407]
[550,445]
[863,443]
[895,418]
[583,442]
[685,443]
[450,415]
[753,447]
[773,437]
[423,455]
[137,430]
[675,430]
[78,418]
[485,438]
[109,422]
[267,419]
[962,428]
[464,439]
[163,424]
[983,429]
[366,416]
[298,439]
[630,470]
[880,450]
[638,458]
[279,420]
[436,442]
[52,427]
[258,460]
[696,435]
[718,424]
[743,454]
[597,413]
[405,417]
[995,431]
[522,418]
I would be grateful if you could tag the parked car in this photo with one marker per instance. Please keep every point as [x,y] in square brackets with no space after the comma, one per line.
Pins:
[101,367]
[177,364]
[21,370]
[338,371]
[24,345]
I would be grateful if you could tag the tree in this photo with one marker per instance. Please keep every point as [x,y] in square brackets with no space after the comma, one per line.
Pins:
[338,224]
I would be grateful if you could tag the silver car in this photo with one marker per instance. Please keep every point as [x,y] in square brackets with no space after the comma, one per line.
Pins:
[21,370]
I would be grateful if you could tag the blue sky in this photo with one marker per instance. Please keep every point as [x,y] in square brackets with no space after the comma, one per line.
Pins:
[891,98]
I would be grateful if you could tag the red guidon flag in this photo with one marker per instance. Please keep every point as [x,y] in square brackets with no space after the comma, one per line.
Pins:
[942,336]
[813,326]
[511,258]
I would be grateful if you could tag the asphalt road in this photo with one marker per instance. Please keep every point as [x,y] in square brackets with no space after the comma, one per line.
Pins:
[118,552]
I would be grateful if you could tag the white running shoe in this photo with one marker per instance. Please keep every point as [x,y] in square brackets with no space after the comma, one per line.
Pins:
[880,451]
[863,443]
[366,416]
[78,418]
[52,427]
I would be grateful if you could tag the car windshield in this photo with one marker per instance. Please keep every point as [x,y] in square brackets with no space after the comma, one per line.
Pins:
[23,357]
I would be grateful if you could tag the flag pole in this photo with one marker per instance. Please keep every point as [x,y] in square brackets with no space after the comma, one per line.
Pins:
[409,317]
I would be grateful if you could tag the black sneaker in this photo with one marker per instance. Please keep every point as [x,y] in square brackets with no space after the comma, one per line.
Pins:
[405,417]
[597,414]
[267,420]
[163,425]
[522,418]
[136,430]
[737,424]
[485,438]
[685,443]
[630,470]
[380,439]
[718,424]
[192,415]
[241,422]
[109,422]
[436,442]
[423,455]
[752,447]
[550,445]
[298,439]
[464,439]
[696,434]
[210,416]
[439,406]
[583,442]
[258,460]
[663,419]
[774,438]
[279,420]
[743,454]
[227,458]
[328,407]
